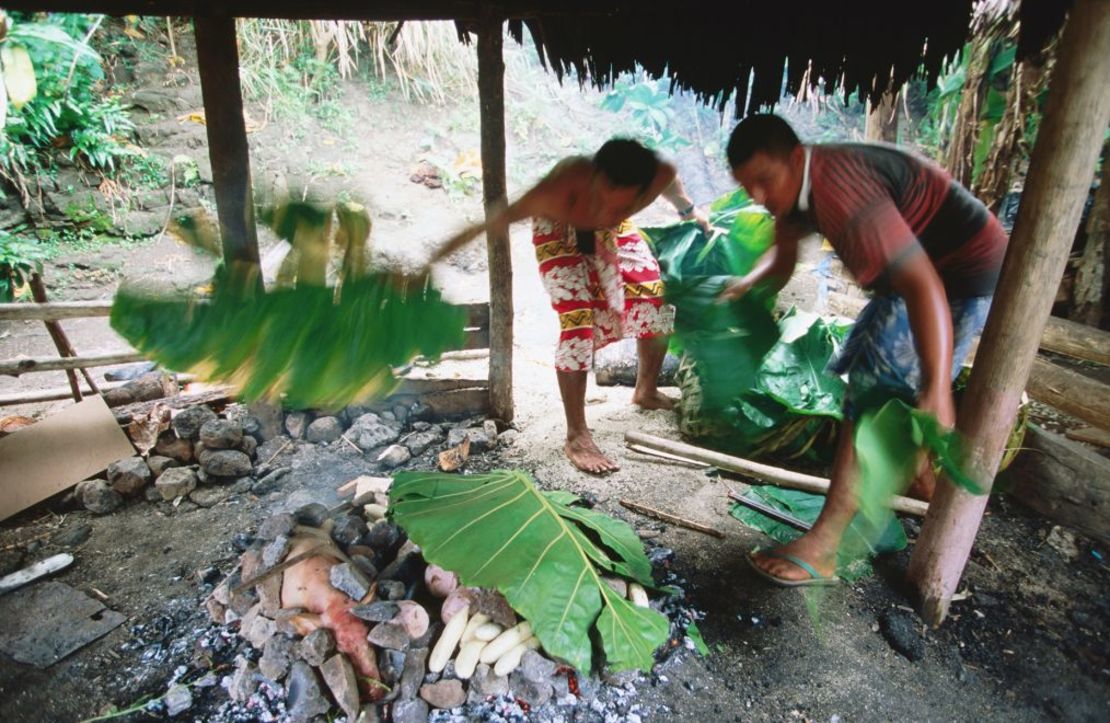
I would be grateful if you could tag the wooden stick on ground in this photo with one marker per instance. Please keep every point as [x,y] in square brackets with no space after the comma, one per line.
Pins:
[763,472]
[673,519]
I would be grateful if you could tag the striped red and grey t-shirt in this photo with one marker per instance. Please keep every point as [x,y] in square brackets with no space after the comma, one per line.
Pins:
[877,205]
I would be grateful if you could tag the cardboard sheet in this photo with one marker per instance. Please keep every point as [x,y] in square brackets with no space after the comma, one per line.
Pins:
[58,452]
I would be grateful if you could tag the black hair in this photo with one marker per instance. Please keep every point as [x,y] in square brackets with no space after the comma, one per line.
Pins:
[764,133]
[627,163]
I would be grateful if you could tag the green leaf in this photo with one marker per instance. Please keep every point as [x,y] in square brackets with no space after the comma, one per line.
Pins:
[694,634]
[19,74]
[305,343]
[497,530]
[793,372]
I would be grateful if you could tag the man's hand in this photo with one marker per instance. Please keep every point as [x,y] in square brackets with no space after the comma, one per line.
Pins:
[937,400]
[698,215]
[735,289]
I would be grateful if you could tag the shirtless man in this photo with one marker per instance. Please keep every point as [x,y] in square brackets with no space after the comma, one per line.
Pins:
[602,278]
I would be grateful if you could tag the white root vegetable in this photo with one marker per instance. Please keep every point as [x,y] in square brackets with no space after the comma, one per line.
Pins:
[374,511]
[505,641]
[476,621]
[487,632]
[452,633]
[638,595]
[467,659]
[508,662]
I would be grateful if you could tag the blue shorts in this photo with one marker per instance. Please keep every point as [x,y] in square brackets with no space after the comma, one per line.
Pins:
[881,360]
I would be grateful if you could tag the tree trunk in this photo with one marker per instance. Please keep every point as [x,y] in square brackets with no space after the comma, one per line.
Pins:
[1092,276]
[1075,118]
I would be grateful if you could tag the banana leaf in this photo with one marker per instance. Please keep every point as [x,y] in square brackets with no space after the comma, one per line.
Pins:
[793,372]
[310,344]
[543,552]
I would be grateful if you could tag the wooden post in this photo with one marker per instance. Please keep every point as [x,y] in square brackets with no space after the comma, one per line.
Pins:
[1092,277]
[1075,118]
[491,100]
[61,341]
[218,61]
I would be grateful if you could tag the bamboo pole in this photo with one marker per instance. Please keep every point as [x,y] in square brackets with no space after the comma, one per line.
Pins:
[15,367]
[54,310]
[1070,136]
[218,63]
[763,472]
[491,100]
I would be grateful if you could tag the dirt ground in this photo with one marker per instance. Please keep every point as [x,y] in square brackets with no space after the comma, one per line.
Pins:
[1029,642]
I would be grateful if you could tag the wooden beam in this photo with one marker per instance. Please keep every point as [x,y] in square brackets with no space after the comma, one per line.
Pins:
[763,472]
[54,310]
[491,101]
[1070,392]
[1063,481]
[15,367]
[1068,142]
[61,341]
[218,63]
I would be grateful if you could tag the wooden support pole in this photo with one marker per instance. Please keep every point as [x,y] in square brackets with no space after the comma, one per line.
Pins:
[1071,392]
[882,119]
[491,100]
[61,341]
[54,310]
[763,472]
[1075,119]
[218,62]
[15,367]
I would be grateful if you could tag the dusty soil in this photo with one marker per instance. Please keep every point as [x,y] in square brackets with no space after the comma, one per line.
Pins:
[1029,642]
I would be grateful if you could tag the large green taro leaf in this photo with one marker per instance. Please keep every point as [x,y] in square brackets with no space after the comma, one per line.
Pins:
[793,372]
[545,554]
[309,345]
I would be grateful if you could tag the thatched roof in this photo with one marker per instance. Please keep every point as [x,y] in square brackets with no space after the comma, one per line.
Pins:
[711,48]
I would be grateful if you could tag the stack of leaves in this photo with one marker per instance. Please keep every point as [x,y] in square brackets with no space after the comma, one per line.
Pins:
[314,345]
[543,552]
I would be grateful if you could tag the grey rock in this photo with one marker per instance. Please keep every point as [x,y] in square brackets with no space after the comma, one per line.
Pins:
[159,464]
[394,455]
[209,496]
[536,668]
[420,411]
[384,537]
[509,437]
[419,442]
[129,475]
[365,564]
[221,434]
[391,589]
[410,711]
[379,611]
[249,446]
[416,663]
[324,430]
[479,442]
[270,481]
[275,551]
[227,463]
[275,526]
[389,635]
[354,411]
[99,498]
[295,424]
[420,426]
[349,580]
[303,696]
[269,596]
[277,657]
[348,529]
[316,647]
[252,427]
[370,432]
[151,494]
[901,631]
[340,679]
[243,682]
[175,482]
[158,100]
[188,422]
[391,665]
[485,682]
[283,621]
[444,694]
[313,514]
[268,417]
[273,448]
[241,486]
[490,428]
[178,699]
[260,630]
[388,417]
[174,447]
[535,694]
[72,536]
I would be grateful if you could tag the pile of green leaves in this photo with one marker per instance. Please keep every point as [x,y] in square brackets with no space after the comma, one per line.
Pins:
[19,258]
[544,552]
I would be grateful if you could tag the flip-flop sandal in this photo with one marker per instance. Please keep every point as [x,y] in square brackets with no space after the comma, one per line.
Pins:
[815,578]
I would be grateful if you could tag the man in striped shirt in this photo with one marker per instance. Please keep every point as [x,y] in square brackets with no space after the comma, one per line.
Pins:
[930,252]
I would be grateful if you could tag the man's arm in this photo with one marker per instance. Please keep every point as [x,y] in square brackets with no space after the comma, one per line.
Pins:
[667,184]
[916,280]
[776,265]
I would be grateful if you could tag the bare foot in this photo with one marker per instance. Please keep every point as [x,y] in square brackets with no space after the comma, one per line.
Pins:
[653,400]
[808,550]
[584,454]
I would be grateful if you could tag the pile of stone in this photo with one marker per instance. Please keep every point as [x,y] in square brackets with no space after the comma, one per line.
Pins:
[407,608]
